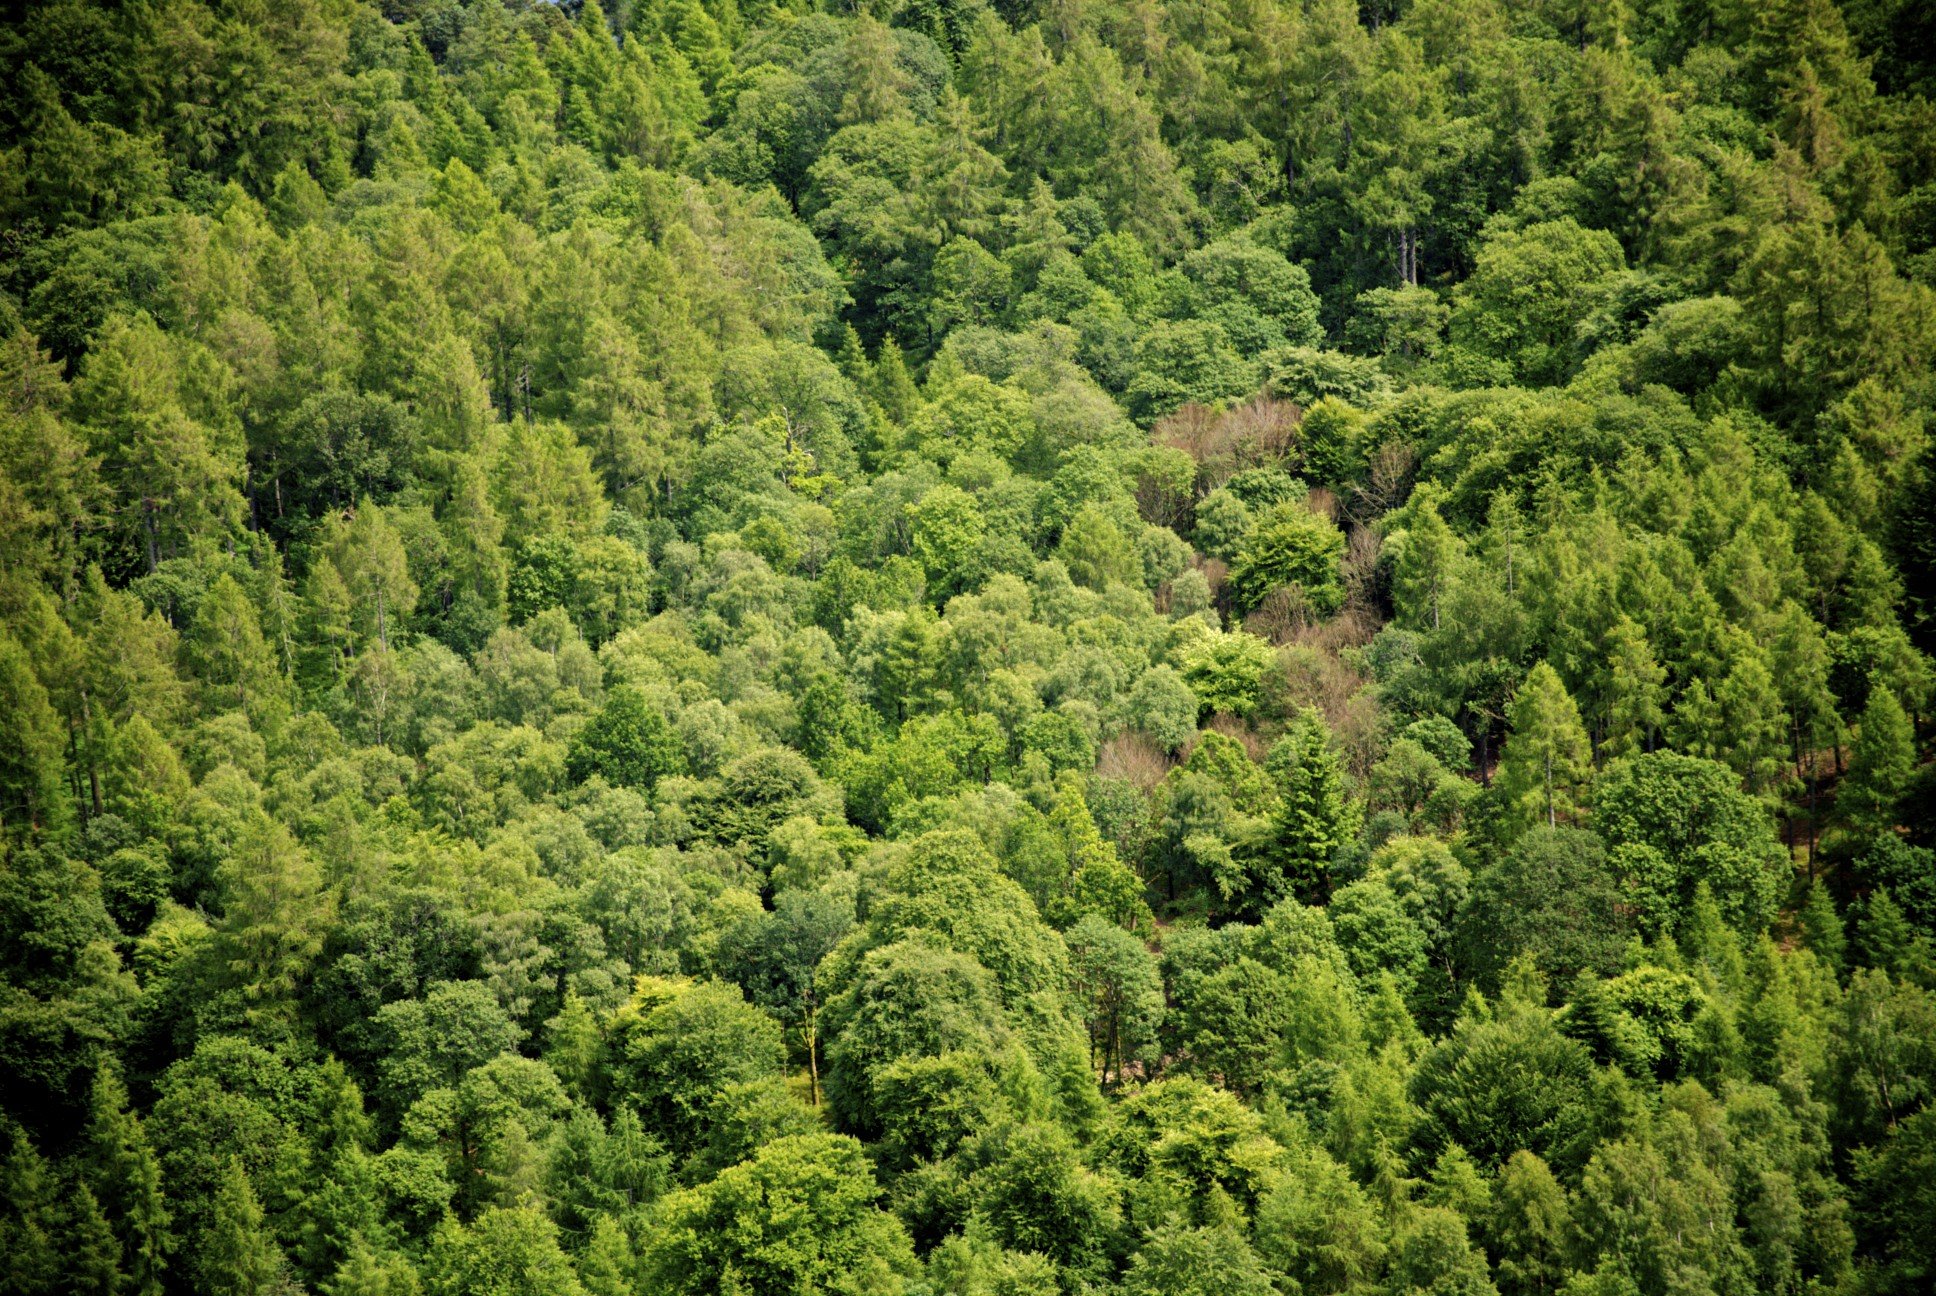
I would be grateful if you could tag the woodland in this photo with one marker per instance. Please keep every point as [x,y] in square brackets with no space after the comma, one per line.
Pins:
[967,647]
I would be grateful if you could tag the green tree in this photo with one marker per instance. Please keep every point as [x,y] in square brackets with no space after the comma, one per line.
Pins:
[1671,821]
[33,796]
[1290,547]
[1162,706]
[1544,765]
[628,742]
[799,1216]
[1884,755]
[226,648]
[1528,292]
[1314,814]
[239,1256]
[1553,897]
[506,1251]
[126,1177]
[1116,980]
[1197,1262]
[174,475]
[676,1044]
[1530,1227]
[276,914]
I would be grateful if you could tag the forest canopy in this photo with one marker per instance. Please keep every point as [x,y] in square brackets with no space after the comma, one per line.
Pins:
[946,648]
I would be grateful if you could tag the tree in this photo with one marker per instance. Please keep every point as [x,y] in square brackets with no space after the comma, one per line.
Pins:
[506,1251]
[432,1042]
[1030,1186]
[775,957]
[907,999]
[1224,670]
[226,648]
[369,556]
[1529,291]
[1553,897]
[799,1216]
[32,795]
[1671,821]
[945,531]
[1197,1262]
[1116,980]
[1897,1186]
[1428,563]
[1530,1227]
[1503,1080]
[1543,766]
[676,1044]
[1884,755]
[1290,546]
[1313,816]
[174,475]
[276,914]
[127,1179]
[628,742]
[1162,706]
[239,1256]
[1635,692]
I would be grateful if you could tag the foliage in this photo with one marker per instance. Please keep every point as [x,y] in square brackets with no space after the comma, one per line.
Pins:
[959,648]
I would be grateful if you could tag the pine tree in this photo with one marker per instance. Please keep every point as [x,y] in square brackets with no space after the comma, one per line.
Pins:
[275,915]
[126,1175]
[29,1227]
[1098,880]
[90,1253]
[1314,814]
[608,1266]
[1543,767]
[1530,1227]
[1635,691]
[32,773]
[1884,938]
[1695,728]
[175,478]
[1755,723]
[1427,564]
[368,554]
[239,1256]
[1822,927]
[365,1271]
[226,650]
[1884,756]
[893,386]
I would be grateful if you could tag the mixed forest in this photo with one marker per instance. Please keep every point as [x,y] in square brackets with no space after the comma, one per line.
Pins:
[968,647]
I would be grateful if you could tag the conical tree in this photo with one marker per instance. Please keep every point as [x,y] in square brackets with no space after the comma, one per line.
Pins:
[1884,757]
[1635,690]
[239,1255]
[1315,814]
[1544,765]
[226,649]
[127,1178]
[31,774]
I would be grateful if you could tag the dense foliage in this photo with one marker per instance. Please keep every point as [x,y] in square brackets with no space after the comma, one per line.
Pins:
[722,646]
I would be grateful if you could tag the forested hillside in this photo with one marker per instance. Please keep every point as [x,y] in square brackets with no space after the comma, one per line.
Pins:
[944,648]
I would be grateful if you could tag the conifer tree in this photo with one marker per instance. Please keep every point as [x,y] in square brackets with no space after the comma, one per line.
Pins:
[1884,754]
[1635,691]
[126,1176]
[1543,768]
[1314,815]
[239,1256]
[32,792]
[1822,927]
[225,647]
